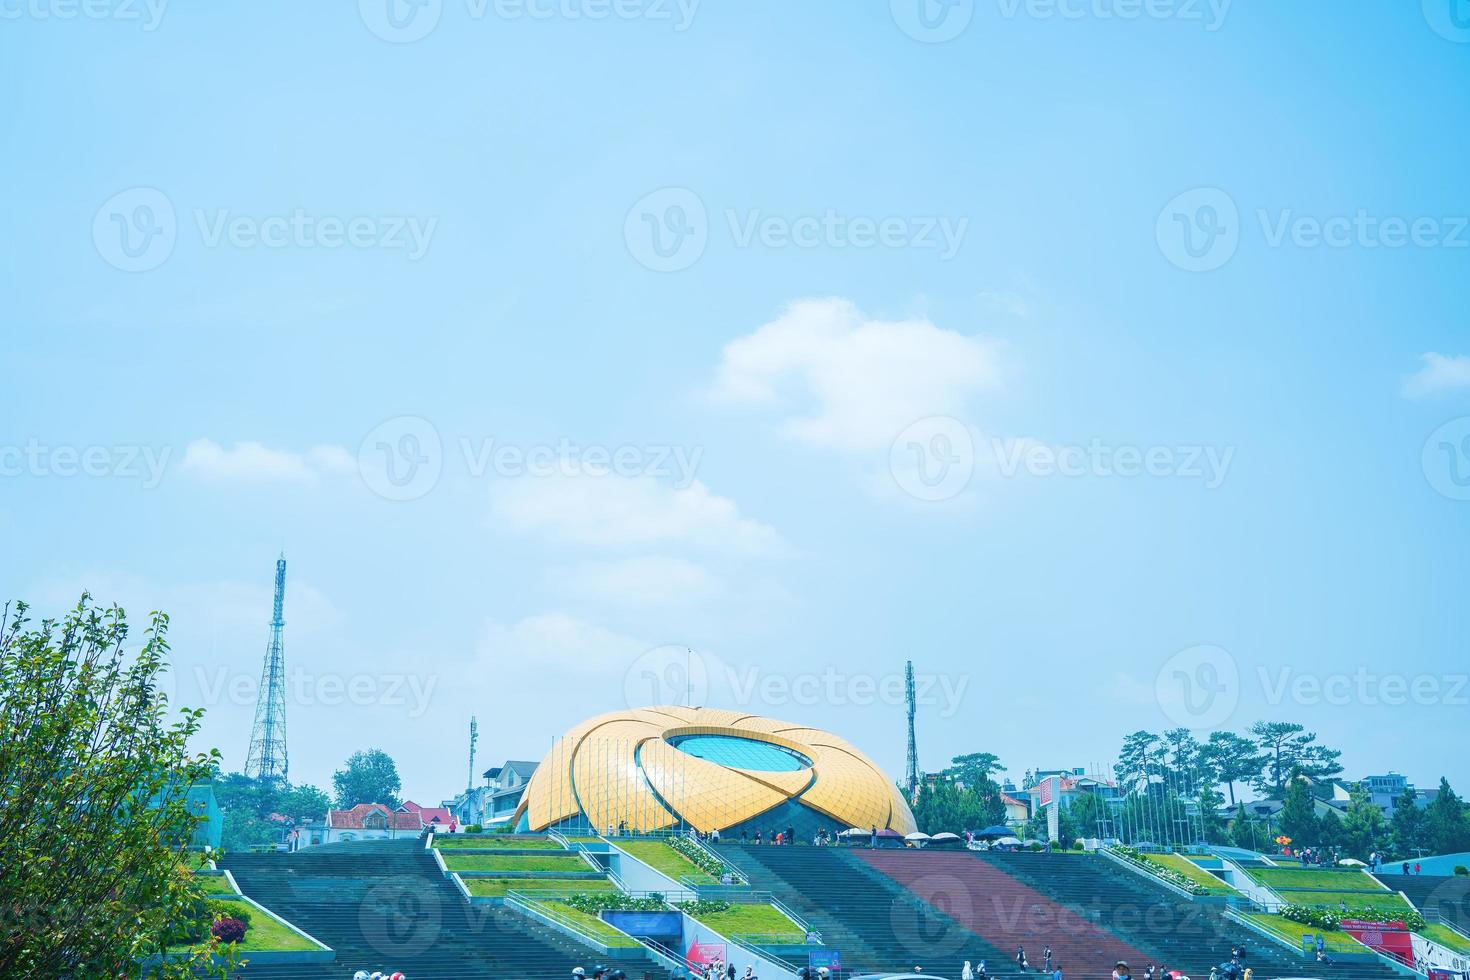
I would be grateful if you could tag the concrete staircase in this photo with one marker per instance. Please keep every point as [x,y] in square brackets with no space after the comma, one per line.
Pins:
[385,905]
[874,923]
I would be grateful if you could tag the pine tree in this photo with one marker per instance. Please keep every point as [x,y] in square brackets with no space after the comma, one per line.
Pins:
[1298,816]
[1409,825]
[1364,829]
[1446,829]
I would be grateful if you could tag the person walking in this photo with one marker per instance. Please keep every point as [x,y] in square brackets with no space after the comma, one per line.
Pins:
[967,972]
[1046,960]
[1021,958]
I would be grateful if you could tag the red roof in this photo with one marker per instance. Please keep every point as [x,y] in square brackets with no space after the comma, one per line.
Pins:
[1010,800]
[355,818]
[430,815]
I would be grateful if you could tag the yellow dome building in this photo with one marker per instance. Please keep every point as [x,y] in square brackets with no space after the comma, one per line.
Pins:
[663,768]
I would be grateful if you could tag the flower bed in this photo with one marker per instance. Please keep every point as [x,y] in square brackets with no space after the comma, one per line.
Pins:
[1331,919]
[1173,876]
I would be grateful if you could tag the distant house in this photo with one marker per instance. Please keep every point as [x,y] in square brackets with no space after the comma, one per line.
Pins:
[1064,786]
[1017,811]
[436,818]
[496,801]
[370,821]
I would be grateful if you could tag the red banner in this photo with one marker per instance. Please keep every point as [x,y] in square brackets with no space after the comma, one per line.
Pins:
[1390,938]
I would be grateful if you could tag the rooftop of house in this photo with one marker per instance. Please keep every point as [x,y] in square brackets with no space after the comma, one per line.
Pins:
[357,817]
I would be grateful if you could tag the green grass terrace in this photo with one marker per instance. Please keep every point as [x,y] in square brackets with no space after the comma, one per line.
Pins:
[506,842]
[665,860]
[591,924]
[1336,881]
[1446,937]
[749,920]
[265,934]
[1294,932]
[497,887]
[1180,864]
[562,863]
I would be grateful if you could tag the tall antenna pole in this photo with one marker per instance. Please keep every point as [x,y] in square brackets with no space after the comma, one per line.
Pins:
[267,756]
[474,737]
[911,769]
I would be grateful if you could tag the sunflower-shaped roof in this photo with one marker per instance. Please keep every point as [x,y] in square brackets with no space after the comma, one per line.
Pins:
[649,768]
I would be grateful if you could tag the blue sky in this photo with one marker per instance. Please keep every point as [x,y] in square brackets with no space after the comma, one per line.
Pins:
[568,335]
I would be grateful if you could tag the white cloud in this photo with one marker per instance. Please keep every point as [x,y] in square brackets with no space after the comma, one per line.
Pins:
[865,380]
[1438,373]
[252,462]
[648,580]
[620,511]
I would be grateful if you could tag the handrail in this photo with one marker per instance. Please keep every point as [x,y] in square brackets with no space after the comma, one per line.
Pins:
[790,913]
[668,956]
[521,901]
[714,856]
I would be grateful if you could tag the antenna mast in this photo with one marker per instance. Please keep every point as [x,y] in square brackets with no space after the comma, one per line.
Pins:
[911,769]
[267,756]
[474,737]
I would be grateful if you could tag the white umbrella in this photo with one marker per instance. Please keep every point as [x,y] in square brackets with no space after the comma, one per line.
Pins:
[945,835]
[852,832]
[1008,840]
[1352,863]
[917,835]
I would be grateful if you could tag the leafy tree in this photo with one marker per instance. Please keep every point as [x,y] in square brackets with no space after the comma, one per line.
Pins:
[1232,759]
[1410,825]
[93,814]
[942,805]
[369,777]
[1298,813]
[1446,830]
[1330,831]
[975,768]
[1209,803]
[1248,832]
[1289,748]
[258,811]
[1138,761]
[1089,816]
[1363,829]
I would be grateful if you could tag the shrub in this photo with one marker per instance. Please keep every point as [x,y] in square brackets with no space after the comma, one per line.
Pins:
[228,930]
[594,902]
[1137,857]
[1331,919]
[698,909]
[1461,870]
[698,856]
[474,828]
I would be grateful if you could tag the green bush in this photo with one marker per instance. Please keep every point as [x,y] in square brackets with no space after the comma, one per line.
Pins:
[701,909]
[474,828]
[595,902]
[203,914]
[1461,870]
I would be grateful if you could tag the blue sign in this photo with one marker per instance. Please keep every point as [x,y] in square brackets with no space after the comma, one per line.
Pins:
[830,958]
[648,924]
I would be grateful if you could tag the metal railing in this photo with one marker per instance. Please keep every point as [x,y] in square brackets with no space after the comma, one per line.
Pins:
[527,905]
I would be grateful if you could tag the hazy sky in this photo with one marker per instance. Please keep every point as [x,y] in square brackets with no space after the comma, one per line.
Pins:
[1093,354]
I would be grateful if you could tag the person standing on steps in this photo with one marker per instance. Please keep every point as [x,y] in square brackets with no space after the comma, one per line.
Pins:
[1046,960]
[1021,959]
